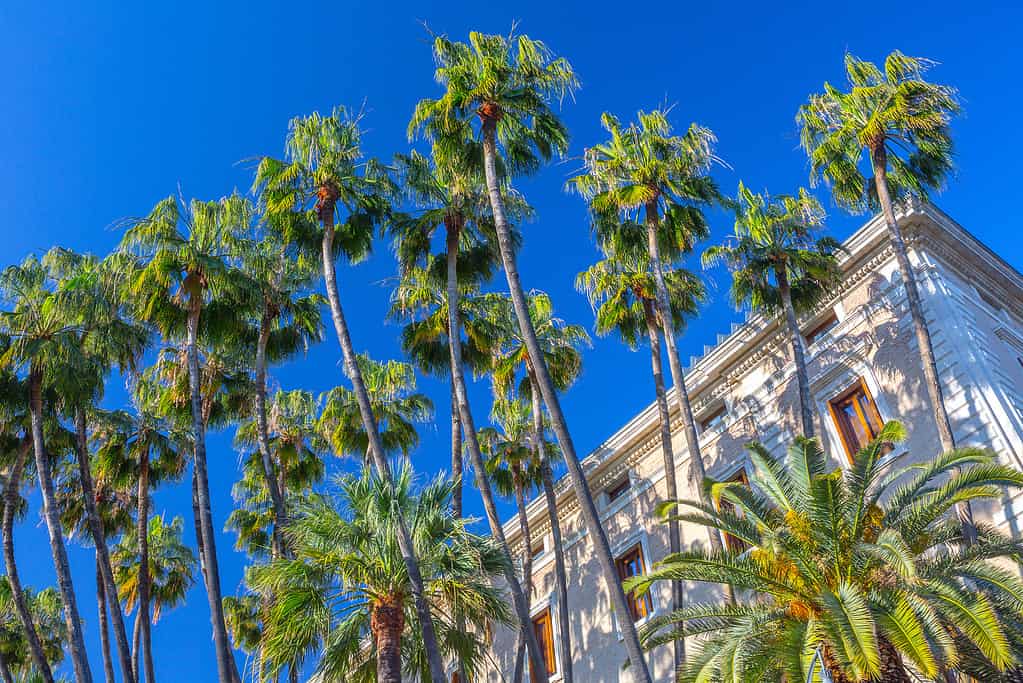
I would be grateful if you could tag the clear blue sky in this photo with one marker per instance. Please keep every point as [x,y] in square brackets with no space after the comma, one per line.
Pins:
[108,107]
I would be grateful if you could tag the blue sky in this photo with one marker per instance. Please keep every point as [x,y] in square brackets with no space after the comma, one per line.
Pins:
[108,108]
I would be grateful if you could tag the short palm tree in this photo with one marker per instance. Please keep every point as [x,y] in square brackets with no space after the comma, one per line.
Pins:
[286,318]
[507,83]
[16,663]
[324,167]
[136,451]
[778,263]
[347,593]
[621,289]
[172,566]
[560,345]
[861,565]
[515,473]
[901,121]
[182,266]
[42,326]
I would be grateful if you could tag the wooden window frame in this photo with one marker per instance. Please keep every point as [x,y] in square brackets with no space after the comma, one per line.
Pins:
[736,545]
[871,424]
[616,491]
[639,607]
[538,550]
[820,329]
[713,418]
[545,619]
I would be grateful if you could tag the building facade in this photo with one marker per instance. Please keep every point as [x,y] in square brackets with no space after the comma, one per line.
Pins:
[864,368]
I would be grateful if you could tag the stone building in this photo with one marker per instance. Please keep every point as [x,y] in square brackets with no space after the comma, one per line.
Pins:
[864,368]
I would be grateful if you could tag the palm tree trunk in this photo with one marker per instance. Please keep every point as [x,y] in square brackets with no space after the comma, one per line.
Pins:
[142,530]
[263,437]
[326,213]
[387,622]
[671,485]
[99,540]
[226,668]
[35,646]
[798,353]
[104,629]
[198,525]
[588,509]
[527,570]
[5,670]
[456,454]
[476,457]
[879,160]
[696,472]
[830,662]
[892,668]
[136,648]
[560,575]
[51,512]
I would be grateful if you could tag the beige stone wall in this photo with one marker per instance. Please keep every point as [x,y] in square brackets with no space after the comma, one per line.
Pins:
[980,357]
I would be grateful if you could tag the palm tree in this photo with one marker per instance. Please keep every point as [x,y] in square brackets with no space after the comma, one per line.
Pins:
[16,664]
[860,564]
[452,186]
[16,442]
[183,266]
[323,162]
[515,473]
[621,289]
[560,344]
[777,263]
[287,318]
[41,326]
[171,571]
[349,580]
[107,338]
[647,167]
[507,83]
[902,123]
[137,450]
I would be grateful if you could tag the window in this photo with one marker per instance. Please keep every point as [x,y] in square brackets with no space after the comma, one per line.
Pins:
[713,419]
[618,490]
[856,416]
[455,677]
[631,564]
[545,638]
[736,545]
[821,328]
[538,549]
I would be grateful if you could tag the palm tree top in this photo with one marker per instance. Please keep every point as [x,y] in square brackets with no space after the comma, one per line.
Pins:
[778,234]
[508,81]
[891,112]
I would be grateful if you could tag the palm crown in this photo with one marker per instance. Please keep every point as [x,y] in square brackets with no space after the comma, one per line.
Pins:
[775,235]
[900,119]
[860,562]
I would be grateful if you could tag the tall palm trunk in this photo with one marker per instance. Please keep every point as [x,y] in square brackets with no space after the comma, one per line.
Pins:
[456,454]
[527,567]
[668,453]
[142,531]
[100,542]
[226,667]
[588,509]
[879,161]
[696,472]
[798,353]
[198,524]
[51,512]
[387,621]
[560,575]
[136,640]
[35,646]
[5,670]
[104,628]
[263,437]
[476,456]
[325,208]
